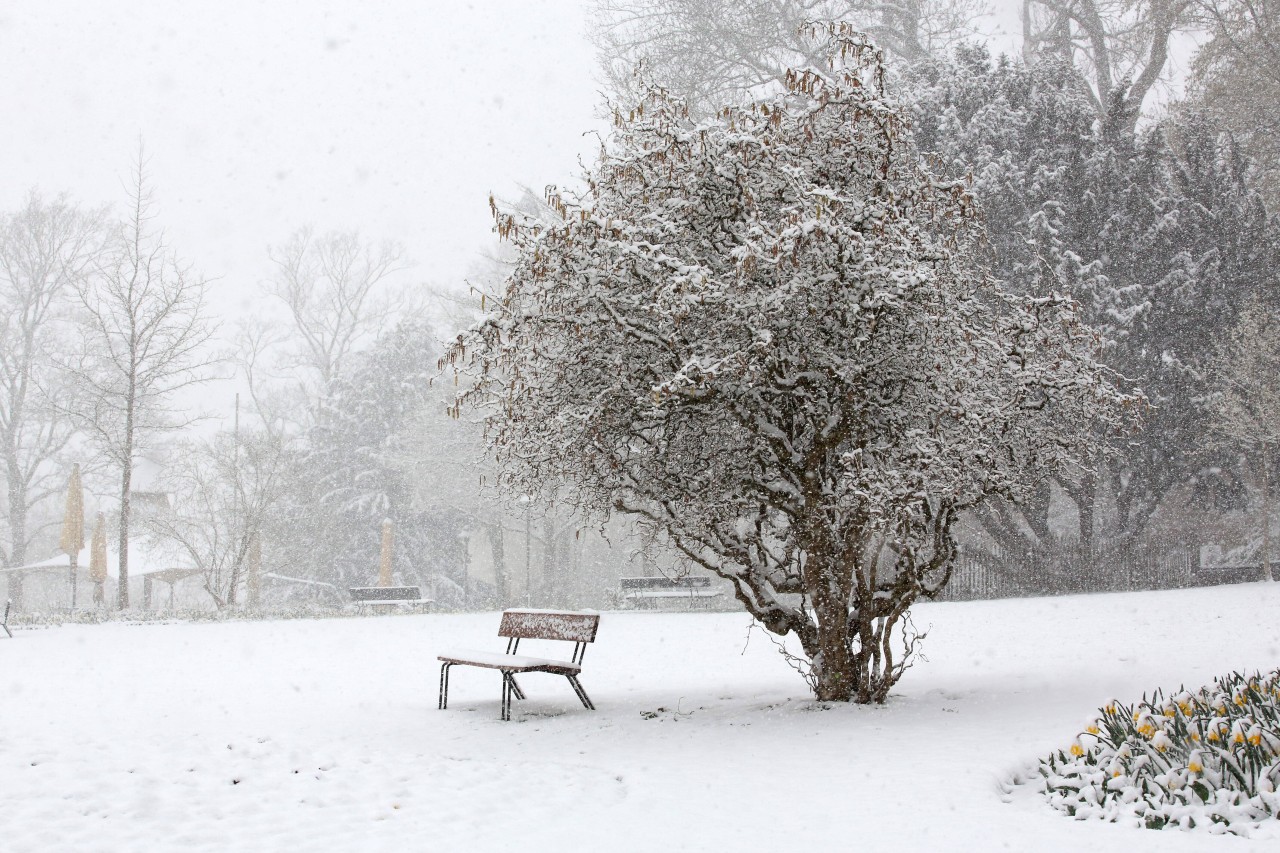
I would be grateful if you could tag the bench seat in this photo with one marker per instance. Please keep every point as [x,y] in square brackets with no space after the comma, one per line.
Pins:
[512,663]
[676,593]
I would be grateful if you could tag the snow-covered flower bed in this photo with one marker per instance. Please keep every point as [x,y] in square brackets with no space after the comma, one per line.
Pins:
[1208,759]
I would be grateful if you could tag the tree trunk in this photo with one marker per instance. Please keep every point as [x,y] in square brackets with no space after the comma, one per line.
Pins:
[122,542]
[834,671]
[1266,515]
[497,549]
[17,532]
[126,485]
[552,576]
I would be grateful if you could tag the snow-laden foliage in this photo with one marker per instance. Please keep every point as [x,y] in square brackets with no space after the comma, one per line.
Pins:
[1208,759]
[767,335]
[356,472]
[1161,236]
[1248,405]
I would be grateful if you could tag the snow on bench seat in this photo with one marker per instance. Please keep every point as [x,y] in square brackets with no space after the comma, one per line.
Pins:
[515,663]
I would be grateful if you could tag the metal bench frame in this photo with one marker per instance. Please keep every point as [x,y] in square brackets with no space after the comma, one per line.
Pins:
[517,625]
[4,623]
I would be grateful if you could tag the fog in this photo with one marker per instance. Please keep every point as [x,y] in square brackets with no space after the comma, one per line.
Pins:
[311,183]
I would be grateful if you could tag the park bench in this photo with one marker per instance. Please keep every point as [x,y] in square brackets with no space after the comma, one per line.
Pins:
[388,596]
[4,623]
[517,625]
[694,589]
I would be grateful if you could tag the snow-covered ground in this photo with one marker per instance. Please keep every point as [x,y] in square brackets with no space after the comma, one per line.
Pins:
[324,735]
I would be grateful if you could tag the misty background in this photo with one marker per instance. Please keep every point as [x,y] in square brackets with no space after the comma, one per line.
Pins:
[321,174]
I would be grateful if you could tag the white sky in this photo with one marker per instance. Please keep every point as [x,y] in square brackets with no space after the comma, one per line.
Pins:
[397,117]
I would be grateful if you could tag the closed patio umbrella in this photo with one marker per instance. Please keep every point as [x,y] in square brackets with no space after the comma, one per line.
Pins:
[72,539]
[384,565]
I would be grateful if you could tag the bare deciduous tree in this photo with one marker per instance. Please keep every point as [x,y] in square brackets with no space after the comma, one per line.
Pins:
[145,338]
[712,52]
[332,286]
[225,490]
[46,248]
[1121,45]
[1236,77]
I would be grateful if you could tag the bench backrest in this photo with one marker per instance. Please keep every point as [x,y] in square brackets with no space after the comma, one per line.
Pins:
[686,582]
[385,593]
[549,625]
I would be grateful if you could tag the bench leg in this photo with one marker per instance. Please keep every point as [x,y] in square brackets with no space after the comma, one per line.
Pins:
[515,688]
[444,685]
[582,694]
[506,696]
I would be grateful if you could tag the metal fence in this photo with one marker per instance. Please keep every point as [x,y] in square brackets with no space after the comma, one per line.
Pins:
[1066,568]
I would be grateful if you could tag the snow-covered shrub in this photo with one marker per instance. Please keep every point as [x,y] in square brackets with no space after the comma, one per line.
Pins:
[769,338]
[1205,759]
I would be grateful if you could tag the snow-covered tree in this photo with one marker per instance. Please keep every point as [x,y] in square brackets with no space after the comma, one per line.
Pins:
[145,336]
[46,250]
[335,287]
[1248,405]
[768,336]
[226,491]
[355,471]
[1236,77]
[712,52]
[1160,236]
[1120,46]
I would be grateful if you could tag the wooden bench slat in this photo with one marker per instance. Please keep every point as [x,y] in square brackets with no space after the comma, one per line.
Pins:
[549,625]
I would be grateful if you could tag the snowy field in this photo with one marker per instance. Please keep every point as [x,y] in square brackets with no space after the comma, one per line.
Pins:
[324,735]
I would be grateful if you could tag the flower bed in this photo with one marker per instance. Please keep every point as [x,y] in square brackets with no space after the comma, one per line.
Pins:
[1208,759]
